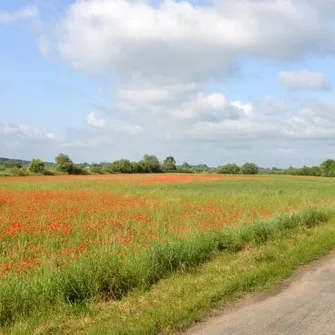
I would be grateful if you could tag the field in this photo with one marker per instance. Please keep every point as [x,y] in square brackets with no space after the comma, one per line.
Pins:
[71,241]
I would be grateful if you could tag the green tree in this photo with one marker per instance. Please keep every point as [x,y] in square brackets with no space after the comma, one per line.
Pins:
[291,171]
[107,168]
[122,166]
[169,164]
[249,168]
[150,164]
[200,168]
[37,166]
[315,171]
[331,172]
[136,167]
[96,168]
[327,168]
[229,169]
[64,164]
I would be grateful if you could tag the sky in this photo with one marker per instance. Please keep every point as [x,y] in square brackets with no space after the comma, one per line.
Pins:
[206,81]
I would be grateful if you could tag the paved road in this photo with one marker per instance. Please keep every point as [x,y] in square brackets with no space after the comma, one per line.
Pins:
[303,305]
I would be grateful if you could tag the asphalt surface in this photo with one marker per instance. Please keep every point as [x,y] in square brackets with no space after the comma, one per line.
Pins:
[305,304]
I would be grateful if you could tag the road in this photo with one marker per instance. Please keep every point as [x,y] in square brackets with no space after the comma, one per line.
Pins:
[305,304]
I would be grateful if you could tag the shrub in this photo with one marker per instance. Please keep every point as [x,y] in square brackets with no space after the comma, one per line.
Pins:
[249,168]
[228,169]
[37,166]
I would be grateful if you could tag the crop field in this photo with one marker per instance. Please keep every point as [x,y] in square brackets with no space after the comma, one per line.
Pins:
[72,239]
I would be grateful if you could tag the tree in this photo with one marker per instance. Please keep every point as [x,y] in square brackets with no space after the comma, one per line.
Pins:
[96,168]
[315,171]
[107,168]
[136,167]
[185,165]
[37,166]
[327,168]
[169,164]
[64,164]
[249,168]
[150,163]
[200,167]
[331,171]
[122,166]
[228,169]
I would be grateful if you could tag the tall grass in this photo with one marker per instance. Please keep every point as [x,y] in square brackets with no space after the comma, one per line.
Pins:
[108,276]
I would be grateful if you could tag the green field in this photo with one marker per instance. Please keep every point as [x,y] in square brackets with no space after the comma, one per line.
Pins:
[96,254]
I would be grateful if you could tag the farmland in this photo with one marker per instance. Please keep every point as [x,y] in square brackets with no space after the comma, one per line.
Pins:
[76,240]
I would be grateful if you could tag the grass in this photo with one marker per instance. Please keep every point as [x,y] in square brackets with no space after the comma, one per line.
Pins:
[188,296]
[86,245]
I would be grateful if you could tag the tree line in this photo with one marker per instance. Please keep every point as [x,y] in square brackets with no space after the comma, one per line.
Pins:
[151,164]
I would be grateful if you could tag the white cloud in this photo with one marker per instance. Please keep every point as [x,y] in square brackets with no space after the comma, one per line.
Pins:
[316,120]
[94,119]
[246,108]
[180,41]
[26,133]
[303,79]
[27,12]
[163,68]
[151,95]
[203,106]
[270,106]
[10,129]
[214,101]
[211,107]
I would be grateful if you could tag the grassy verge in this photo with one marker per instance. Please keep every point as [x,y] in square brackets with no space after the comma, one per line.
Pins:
[271,250]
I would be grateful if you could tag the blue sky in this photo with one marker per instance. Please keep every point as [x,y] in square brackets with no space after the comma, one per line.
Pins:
[205,81]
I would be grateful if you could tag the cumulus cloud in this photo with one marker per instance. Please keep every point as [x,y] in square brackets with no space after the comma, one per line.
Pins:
[163,56]
[164,62]
[270,106]
[182,41]
[203,106]
[303,79]
[316,120]
[27,12]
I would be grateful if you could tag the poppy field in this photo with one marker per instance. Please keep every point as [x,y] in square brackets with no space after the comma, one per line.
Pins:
[71,239]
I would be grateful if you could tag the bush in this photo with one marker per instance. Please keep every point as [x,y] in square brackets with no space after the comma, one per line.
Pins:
[96,169]
[37,166]
[78,170]
[64,164]
[169,164]
[48,172]
[150,164]
[15,171]
[249,168]
[228,169]
[122,166]
[184,170]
